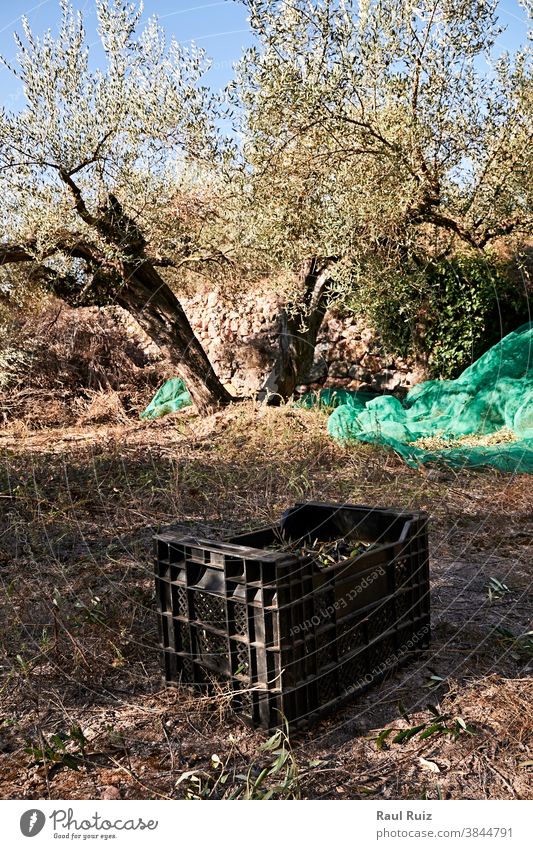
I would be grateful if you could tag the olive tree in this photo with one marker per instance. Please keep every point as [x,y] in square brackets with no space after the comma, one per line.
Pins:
[376,133]
[108,176]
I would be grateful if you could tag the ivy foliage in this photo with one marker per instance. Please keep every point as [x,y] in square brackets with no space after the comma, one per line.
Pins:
[447,313]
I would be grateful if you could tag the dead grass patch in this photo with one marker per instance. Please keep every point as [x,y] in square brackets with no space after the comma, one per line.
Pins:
[78,637]
[66,366]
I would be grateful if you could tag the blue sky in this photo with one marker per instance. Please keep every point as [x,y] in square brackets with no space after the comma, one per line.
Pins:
[220,26]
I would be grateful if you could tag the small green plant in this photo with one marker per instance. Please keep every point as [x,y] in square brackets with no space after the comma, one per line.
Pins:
[279,778]
[520,646]
[205,783]
[91,612]
[24,666]
[441,723]
[273,774]
[119,660]
[496,589]
[435,681]
[55,751]
[298,483]
[437,793]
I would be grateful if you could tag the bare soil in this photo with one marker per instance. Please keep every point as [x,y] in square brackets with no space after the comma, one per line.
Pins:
[78,641]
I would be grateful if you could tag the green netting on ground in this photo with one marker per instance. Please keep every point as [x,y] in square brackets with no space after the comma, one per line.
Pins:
[172,396]
[492,396]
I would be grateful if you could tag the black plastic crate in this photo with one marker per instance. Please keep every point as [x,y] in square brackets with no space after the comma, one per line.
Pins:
[290,637]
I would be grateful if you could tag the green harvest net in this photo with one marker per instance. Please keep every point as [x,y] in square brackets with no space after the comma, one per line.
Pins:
[169,398]
[492,396]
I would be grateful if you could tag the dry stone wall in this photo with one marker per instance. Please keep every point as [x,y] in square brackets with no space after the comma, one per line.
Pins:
[241,343]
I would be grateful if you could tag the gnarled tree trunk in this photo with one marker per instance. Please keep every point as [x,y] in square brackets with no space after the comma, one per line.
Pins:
[299,326]
[150,300]
[147,297]
[133,282]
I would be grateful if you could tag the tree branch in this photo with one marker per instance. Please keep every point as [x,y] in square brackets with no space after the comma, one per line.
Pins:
[94,157]
[431,216]
[79,203]
[504,229]
[10,253]
[79,249]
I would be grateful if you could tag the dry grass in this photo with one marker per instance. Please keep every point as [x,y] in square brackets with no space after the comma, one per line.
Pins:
[62,366]
[77,628]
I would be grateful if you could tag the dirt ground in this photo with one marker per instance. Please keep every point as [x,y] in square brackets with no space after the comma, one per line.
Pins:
[83,712]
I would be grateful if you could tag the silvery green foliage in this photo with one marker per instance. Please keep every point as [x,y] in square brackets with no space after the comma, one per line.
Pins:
[384,127]
[142,127]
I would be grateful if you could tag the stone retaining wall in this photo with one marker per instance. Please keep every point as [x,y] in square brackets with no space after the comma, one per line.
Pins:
[241,342]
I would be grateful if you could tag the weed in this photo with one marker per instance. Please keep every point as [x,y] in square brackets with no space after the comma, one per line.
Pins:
[520,646]
[442,723]
[54,751]
[434,681]
[496,589]
[277,778]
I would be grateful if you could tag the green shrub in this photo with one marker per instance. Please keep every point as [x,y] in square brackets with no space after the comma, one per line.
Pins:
[445,314]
